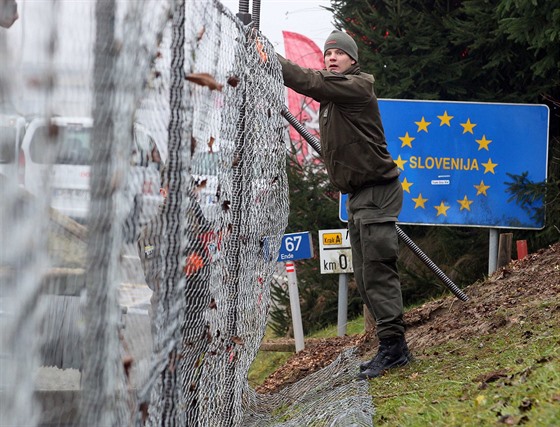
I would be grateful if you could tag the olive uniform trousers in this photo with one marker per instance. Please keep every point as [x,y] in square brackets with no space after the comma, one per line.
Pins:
[372,216]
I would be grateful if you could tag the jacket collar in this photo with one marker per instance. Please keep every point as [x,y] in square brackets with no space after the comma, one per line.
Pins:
[354,69]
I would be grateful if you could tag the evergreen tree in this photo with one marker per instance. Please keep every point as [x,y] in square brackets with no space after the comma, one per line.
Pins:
[403,43]
[464,50]
[477,50]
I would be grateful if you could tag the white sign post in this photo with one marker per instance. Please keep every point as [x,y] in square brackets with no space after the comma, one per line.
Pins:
[294,305]
[336,257]
[295,246]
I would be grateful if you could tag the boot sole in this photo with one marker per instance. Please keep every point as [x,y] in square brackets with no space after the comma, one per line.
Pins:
[364,366]
[363,376]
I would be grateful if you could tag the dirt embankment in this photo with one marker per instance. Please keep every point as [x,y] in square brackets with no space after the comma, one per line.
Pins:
[513,293]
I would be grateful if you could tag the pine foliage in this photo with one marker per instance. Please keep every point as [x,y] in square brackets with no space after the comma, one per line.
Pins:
[475,50]
[464,50]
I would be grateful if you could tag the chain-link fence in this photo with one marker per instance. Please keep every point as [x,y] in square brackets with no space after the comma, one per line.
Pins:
[144,197]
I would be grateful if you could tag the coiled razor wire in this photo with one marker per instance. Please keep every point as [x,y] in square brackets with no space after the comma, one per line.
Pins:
[316,145]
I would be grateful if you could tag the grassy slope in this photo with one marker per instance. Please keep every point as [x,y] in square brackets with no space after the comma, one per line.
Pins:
[509,378]
[493,361]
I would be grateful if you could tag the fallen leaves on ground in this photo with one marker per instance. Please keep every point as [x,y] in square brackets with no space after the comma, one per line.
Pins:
[520,288]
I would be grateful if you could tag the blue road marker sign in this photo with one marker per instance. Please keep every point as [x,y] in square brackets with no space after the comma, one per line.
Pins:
[342,211]
[296,246]
[456,159]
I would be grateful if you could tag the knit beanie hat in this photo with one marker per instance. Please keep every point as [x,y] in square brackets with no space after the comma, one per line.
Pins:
[339,40]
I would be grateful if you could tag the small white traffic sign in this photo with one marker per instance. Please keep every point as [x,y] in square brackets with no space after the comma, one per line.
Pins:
[335,252]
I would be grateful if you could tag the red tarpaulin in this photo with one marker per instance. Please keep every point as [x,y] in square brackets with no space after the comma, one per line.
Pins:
[306,53]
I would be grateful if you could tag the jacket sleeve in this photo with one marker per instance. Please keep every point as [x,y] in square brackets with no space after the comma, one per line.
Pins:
[324,85]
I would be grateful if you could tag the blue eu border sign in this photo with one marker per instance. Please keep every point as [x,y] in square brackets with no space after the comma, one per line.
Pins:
[456,159]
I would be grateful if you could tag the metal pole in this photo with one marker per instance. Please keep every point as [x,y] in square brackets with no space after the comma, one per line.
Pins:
[294,305]
[315,143]
[342,304]
[492,250]
[256,14]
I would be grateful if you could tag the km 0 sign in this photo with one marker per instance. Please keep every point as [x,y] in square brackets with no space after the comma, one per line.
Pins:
[335,251]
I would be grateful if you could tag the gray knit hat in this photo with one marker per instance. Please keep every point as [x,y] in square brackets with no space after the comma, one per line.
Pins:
[339,40]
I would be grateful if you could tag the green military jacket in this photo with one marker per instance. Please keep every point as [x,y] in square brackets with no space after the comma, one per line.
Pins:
[352,138]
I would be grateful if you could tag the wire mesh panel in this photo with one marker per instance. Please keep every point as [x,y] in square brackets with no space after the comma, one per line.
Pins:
[329,397]
[144,198]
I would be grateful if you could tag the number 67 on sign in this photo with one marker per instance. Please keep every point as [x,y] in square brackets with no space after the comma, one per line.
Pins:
[295,246]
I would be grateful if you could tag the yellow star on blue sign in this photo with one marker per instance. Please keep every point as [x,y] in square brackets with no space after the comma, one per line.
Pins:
[489,166]
[442,209]
[406,140]
[483,143]
[423,125]
[468,126]
[445,119]
[420,202]
[465,203]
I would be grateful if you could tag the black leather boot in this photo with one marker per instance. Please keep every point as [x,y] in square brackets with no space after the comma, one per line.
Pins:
[393,352]
[365,365]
